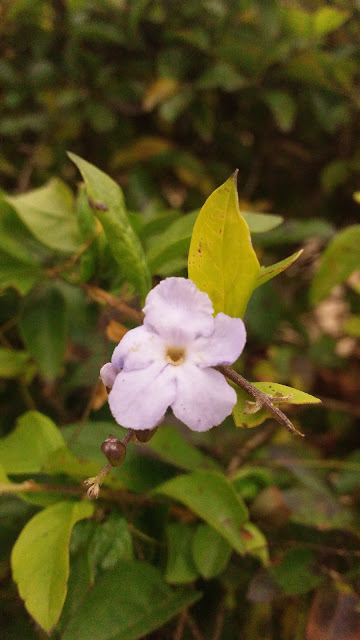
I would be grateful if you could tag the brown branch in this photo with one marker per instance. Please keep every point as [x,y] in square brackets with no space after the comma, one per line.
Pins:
[264,399]
[103,297]
[256,441]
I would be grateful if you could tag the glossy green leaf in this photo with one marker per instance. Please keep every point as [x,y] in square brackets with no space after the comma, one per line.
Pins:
[267,273]
[130,601]
[249,420]
[211,552]
[339,260]
[43,328]
[50,215]
[108,205]
[40,559]
[173,447]
[212,497]
[261,222]
[180,568]
[26,449]
[222,261]
[328,19]
[283,108]
[12,363]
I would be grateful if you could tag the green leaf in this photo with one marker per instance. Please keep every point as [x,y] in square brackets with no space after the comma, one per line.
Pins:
[172,446]
[222,261]
[130,601]
[295,575]
[294,231]
[180,568]
[3,476]
[20,253]
[339,260]
[255,542]
[283,108]
[328,19]
[17,241]
[210,551]
[221,76]
[139,473]
[18,275]
[108,206]
[261,222]
[352,326]
[40,559]
[110,543]
[26,449]
[212,497]
[267,273]
[43,328]
[50,215]
[13,363]
[249,420]
[173,243]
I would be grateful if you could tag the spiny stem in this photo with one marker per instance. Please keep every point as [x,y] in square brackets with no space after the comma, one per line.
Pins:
[264,399]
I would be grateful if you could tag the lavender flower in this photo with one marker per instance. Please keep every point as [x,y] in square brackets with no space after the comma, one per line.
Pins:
[167,361]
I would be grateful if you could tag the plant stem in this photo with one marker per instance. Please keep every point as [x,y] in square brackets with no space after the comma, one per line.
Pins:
[264,399]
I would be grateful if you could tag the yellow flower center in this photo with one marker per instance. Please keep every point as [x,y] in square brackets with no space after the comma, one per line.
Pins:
[175,355]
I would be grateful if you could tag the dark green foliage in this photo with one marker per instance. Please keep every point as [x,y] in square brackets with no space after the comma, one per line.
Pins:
[234,533]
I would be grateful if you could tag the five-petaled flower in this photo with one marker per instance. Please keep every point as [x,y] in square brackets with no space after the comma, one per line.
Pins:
[167,361]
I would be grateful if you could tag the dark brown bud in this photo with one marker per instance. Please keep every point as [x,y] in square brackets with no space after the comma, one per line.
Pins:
[114,451]
[144,435]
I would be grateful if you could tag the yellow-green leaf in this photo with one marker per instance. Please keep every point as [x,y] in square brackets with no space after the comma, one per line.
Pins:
[248,420]
[27,448]
[267,273]
[13,363]
[222,261]
[40,559]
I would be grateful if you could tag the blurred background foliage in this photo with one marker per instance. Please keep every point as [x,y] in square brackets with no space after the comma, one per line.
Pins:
[169,98]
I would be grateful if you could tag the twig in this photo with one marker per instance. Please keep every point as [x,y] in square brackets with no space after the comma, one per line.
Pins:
[256,441]
[180,625]
[264,399]
[55,271]
[85,414]
[193,627]
[219,621]
[99,295]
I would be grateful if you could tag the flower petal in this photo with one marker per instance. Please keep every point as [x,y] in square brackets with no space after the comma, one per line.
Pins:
[139,399]
[108,374]
[223,346]
[138,349]
[203,397]
[178,311]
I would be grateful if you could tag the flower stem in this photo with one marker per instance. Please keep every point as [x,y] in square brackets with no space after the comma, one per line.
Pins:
[95,483]
[264,399]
